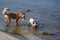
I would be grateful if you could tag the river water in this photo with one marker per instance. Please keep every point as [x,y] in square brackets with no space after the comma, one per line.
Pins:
[46,12]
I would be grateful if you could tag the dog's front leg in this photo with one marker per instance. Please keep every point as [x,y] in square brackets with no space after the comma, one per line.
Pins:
[17,22]
[17,28]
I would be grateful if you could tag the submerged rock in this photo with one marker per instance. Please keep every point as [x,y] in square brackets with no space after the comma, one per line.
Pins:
[27,10]
[47,33]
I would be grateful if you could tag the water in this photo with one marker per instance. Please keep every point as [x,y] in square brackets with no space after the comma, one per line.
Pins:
[47,12]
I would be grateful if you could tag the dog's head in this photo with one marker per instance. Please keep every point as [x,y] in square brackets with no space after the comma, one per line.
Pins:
[22,15]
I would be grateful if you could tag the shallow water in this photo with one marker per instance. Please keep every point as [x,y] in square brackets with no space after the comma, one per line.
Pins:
[46,12]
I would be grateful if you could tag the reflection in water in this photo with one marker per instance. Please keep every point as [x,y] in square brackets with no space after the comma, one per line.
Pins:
[7,27]
[17,30]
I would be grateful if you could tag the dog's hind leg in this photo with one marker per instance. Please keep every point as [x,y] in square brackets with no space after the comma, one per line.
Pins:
[8,23]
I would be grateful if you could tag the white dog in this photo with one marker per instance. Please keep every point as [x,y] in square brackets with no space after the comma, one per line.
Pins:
[32,24]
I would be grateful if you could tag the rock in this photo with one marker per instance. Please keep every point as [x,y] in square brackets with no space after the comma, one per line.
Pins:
[27,10]
[47,33]
[5,36]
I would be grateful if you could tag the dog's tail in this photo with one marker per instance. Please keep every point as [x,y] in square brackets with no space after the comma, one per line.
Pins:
[5,11]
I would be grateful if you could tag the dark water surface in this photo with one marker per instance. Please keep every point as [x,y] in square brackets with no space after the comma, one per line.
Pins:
[47,12]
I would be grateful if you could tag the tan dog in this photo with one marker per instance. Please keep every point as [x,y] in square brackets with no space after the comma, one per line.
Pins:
[12,15]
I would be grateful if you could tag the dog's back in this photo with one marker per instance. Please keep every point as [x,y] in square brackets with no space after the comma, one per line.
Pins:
[12,15]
